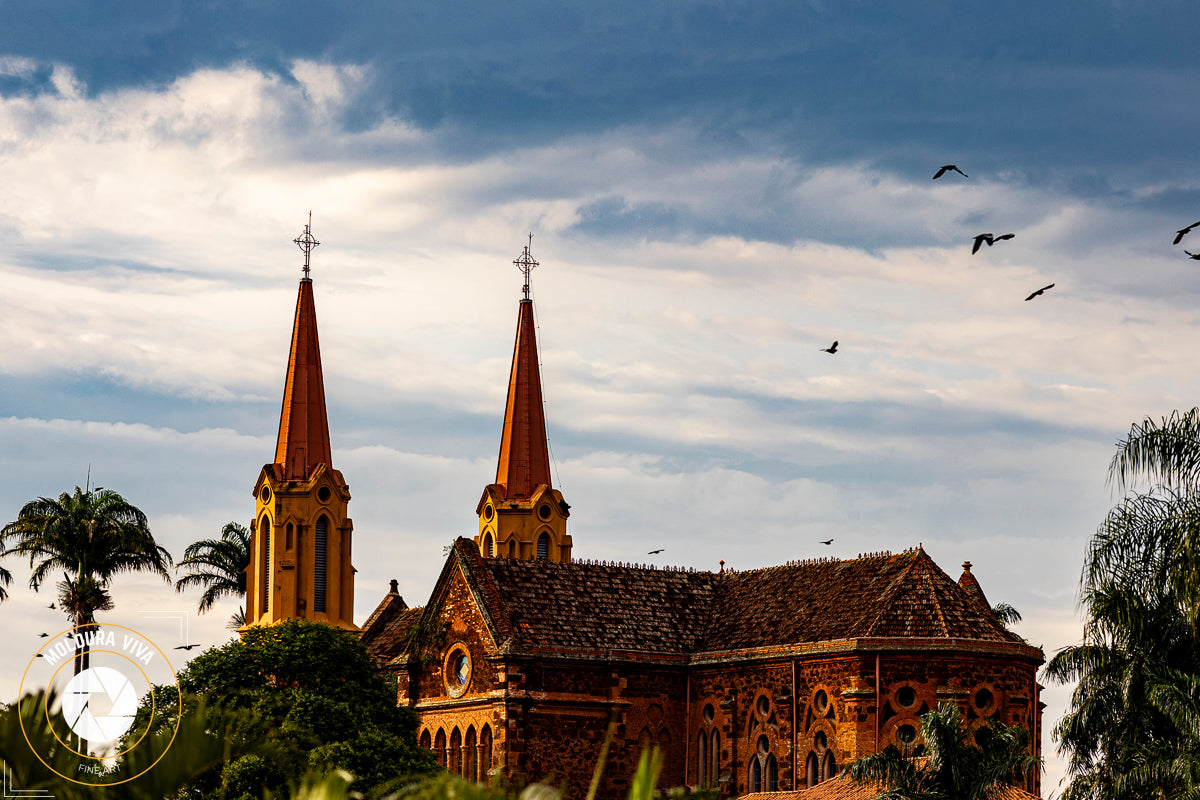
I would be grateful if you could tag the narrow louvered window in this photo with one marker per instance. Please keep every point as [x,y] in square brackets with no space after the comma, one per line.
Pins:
[543,547]
[321,537]
[264,558]
[488,545]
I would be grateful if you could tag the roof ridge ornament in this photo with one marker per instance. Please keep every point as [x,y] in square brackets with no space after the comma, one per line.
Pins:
[526,262]
[307,242]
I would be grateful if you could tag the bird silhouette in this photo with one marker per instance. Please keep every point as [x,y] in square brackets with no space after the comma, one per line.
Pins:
[979,241]
[1182,232]
[43,636]
[51,606]
[832,349]
[1001,238]
[827,541]
[1040,291]
[186,646]
[1190,254]
[659,550]
[949,168]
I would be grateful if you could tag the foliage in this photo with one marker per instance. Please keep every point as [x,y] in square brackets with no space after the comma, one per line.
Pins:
[309,695]
[219,566]
[956,764]
[1133,728]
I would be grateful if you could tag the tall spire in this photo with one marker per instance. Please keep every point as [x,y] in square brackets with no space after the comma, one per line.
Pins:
[303,424]
[524,463]
[521,515]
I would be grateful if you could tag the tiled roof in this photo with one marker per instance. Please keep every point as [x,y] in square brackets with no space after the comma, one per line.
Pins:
[609,607]
[902,595]
[842,788]
[385,632]
[602,607]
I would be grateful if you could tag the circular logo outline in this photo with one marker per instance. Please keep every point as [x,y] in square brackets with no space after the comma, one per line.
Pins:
[178,714]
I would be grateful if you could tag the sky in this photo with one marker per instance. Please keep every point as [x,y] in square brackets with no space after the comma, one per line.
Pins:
[716,191]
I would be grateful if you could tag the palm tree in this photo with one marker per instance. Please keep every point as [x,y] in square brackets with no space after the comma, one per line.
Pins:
[1133,727]
[91,536]
[955,764]
[219,565]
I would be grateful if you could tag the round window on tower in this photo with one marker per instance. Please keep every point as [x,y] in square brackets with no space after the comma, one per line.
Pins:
[265,494]
[488,513]
[544,512]
[323,494]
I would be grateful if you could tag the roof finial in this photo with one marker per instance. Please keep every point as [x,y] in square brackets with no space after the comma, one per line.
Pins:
[526,263]
[307,242]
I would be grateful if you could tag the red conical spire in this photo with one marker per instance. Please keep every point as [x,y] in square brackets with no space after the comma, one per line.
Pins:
[524,456]
[303,424]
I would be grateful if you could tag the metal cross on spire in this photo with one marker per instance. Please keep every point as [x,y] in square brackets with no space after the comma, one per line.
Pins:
[307,242]
[526,263]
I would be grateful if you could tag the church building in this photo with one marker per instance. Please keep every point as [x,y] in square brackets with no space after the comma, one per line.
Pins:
[525,658]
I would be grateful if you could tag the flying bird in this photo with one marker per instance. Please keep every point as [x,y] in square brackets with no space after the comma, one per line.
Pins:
[186,646]
[1040,291]
[1001,238]
[659,550]
[827,541]
[43,636]
[1182,232]
[51,606]
[949,168]
[979,240]
[831,349]
[1192,255]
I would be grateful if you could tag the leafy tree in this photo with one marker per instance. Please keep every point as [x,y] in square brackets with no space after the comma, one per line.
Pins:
[307,696]
[1133,727]
[91,536]
[956,765]
[218,565]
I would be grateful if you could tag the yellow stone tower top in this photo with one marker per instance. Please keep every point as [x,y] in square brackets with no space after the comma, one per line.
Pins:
[301,533]
[521,515]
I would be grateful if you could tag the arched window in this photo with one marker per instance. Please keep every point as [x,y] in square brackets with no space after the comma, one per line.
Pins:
[320,542]
[470,756]
[264,558]
[425,741]
[702,760]
[454,755]
[543,547]
[485,753]
[439,748]
[287,539]
[512,548]
[755,775]
[714,774]
[489,547]
[812,766]
[772,774]
[828,766]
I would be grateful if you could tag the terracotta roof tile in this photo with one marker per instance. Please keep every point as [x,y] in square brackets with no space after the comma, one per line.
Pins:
[842,788]
[385,633]
[610,607]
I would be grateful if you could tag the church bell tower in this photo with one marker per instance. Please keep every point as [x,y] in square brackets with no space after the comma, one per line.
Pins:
[300,536]
[521,515]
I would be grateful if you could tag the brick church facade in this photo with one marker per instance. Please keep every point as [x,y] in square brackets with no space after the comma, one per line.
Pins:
[524,657]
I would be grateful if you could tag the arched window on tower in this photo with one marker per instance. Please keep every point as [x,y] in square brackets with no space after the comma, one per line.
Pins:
[702,760]
[828,766]
[321,543]
[543,547]
[264,558]
[489,547]
[772,774]
[755,777]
